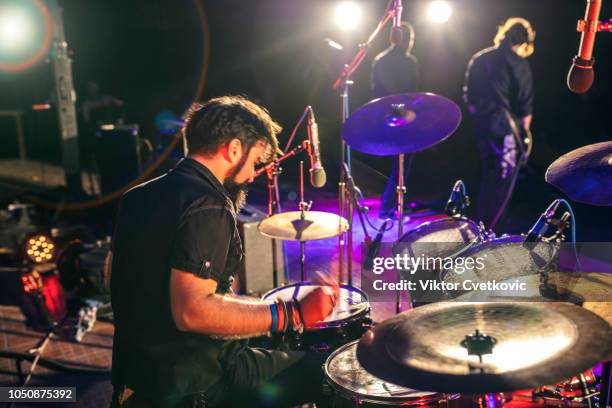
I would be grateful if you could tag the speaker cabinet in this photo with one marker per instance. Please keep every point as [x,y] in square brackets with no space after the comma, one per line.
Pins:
[255,275]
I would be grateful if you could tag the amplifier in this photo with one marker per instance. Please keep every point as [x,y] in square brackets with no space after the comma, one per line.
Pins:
[255,274]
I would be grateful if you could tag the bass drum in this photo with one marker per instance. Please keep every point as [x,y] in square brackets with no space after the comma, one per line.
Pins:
[443,238]
[498,260]
[349,320]
[352,386]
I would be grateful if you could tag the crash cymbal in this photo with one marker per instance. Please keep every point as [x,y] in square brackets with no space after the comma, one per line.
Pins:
[403,123]
[290,226]
[530,344]
[584,174]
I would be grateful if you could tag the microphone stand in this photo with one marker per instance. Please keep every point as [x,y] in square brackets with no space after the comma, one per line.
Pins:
[344,81]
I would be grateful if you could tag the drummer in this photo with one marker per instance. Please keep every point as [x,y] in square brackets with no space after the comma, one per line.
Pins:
[395,71]
[181,336]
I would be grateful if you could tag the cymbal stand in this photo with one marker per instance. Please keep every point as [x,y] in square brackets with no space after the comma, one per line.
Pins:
[401,190]
[354,193]
[344,81]
[272,171]
[303,207]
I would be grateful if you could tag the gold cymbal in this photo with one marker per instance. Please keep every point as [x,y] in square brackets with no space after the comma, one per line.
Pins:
[315,225]
[433,347]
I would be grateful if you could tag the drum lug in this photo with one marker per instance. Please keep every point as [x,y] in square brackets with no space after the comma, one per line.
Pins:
[483,233]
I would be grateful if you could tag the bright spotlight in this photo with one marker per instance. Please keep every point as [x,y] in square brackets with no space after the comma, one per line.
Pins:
[26,31]
[348,14]
[439,11]
[16,31]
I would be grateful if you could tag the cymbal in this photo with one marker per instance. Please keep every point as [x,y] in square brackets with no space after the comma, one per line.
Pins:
[316,225]
[403,123]
[531,344]
[584,174]
[573,287]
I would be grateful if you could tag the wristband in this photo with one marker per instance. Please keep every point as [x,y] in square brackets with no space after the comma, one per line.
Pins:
[282,312]
[299,325]
[273,311]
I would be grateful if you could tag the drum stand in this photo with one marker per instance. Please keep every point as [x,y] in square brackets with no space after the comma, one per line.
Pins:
[354,193]
[303,207]
[273,202]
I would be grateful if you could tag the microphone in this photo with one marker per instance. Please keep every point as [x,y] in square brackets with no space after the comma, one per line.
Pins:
[541,225]
[456,201]
[318,178]
[374,247]
[397,22]
[581,75]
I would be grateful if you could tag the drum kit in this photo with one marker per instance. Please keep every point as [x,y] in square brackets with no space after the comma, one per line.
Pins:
[455,350]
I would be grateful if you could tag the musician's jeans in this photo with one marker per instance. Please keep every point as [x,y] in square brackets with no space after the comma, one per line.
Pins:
[256,378]
[270,378]
[498,156]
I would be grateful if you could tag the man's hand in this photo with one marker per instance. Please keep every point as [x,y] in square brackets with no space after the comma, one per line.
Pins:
[319,303]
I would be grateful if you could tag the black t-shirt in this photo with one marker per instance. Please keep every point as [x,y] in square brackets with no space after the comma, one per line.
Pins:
[184,220]
[394,72]
[498,80]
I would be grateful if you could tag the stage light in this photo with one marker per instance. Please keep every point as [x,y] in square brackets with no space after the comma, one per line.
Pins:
[348,15]
[16,30]
[333,44]
[39,248]
[26,32]
[439,11]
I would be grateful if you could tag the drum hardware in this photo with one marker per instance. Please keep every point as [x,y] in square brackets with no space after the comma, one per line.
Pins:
[537,343]
[303,225]
[458,200]
[580,391]
[349,320]
[401,124]
[355,196]
[447,237]
[273,170]
[584,174]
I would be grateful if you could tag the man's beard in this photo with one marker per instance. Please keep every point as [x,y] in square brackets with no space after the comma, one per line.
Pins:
[237,191]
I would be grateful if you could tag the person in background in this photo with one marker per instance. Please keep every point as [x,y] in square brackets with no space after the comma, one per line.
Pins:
[498,93]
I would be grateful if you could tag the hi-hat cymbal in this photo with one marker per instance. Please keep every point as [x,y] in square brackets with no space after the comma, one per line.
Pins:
[315,225]
[403,123]
[531,344]
[584,174]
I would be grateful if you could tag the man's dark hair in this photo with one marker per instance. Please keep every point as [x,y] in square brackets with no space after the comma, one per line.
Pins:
[210,125]
[515,31]
[402,37]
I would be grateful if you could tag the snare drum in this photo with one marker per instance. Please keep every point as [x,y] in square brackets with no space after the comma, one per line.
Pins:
[351,385]
[349,320]
[503,259]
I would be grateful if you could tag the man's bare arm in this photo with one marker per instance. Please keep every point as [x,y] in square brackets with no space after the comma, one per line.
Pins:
[196,308]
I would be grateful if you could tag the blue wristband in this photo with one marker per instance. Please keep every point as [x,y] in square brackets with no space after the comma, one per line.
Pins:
[274,317]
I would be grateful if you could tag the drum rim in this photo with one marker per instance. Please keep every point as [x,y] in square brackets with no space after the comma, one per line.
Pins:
[477,239]
[335,323]
[492,242]
[390,400]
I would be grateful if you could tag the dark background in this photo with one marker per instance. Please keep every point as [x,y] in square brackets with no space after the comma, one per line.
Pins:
[151,54]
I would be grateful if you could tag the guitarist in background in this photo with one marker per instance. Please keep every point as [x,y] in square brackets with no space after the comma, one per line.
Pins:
[498,92]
